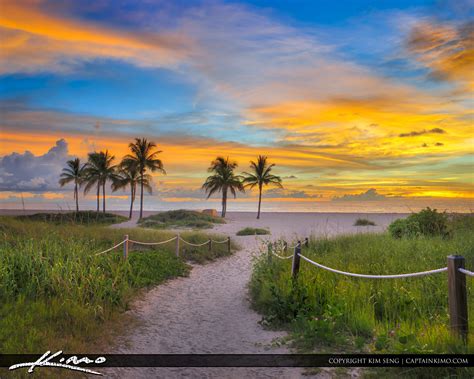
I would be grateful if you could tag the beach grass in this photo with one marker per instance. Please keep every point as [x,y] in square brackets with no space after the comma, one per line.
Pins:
[180,219]
[248,231]
[81,217]
[56,294]
[328,311]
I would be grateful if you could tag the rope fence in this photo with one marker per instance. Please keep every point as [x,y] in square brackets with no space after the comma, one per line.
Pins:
[126,243]
[112,248]
[410,275]
[466,272]
[152,243]
[457,292]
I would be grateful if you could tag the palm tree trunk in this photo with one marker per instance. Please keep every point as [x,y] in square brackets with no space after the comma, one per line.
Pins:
[141,194]
[76,195]
[103,197]
[259,201]
[224,202]
[132,198]
[98,196]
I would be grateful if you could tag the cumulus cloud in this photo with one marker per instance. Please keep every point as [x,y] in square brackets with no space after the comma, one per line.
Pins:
[28,172]
[369,195]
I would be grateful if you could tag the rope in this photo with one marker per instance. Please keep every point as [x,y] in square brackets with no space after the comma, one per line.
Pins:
[224,241]
[114,247]
[152,243]
[421,273]
[293,247]
[279,256]
[466,272]
[194,244]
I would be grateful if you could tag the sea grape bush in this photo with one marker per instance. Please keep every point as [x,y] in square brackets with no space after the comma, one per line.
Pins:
[428,222]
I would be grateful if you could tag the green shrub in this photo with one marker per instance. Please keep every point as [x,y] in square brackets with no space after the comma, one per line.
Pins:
[404,228]
[364,222]
[431,222]
[427,222]
[252,232]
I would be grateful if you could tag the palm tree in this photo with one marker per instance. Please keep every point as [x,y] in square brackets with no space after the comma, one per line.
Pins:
[260,176]
[223,180]
[129,175]
[99,169]
[108,172]
[74,172]
[145,159]
[92,175]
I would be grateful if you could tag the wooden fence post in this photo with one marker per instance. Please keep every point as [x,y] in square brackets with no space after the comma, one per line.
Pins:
[269,252]
[457,297]
[228,245]
[295,267]
[125,247]
[177,245]
[210,245]
[306,242]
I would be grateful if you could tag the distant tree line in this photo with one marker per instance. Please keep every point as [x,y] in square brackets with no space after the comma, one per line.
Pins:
[134,171]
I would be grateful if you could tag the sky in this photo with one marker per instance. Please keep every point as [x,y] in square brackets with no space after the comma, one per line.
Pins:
[366,105]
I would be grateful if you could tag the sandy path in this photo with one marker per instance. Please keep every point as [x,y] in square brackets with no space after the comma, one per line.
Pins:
[209,312]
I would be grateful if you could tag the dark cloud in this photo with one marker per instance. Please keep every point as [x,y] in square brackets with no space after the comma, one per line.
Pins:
[420,133]
[369,195]
[28,172]
[439,144]
[277,193]
[290,177]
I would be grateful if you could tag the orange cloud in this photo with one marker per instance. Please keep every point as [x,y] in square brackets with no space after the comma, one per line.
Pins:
[447,50]
[33,39]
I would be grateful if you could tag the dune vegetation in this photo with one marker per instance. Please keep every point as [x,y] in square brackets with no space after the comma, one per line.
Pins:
[324,310]
[180,218]
[248,231]
[363,222]
[81,217]
[57,294]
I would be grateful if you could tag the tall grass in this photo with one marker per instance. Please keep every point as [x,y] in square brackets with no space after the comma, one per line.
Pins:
[56,294]
[379,315]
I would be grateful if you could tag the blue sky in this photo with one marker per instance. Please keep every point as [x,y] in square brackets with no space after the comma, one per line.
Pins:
[326,89]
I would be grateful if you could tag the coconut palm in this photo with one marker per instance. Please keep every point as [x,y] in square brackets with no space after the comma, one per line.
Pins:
[129,175]
[144,156]
[261,176]
[74,172]
[98,171]
[92,175]
[223,180]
